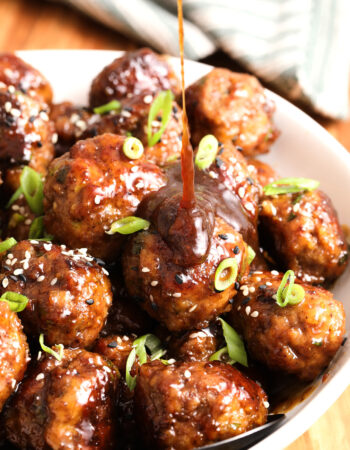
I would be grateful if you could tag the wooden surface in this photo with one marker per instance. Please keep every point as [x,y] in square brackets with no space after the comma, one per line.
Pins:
[26,24]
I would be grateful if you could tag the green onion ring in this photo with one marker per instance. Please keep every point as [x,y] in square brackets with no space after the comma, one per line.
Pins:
[7,244]
[50,351]
[17,302]
[132,148]
[113,105]
[230,265]
[291,294]
[290,186]
[235,345]
[206,153]
[161,104]
[128,225]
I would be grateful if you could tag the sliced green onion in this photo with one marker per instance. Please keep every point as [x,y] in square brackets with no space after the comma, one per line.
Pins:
[7,244]
[290,186]
[229,268]
[235,345]
[113,105]
[206,153]
[17,302]
[251,254]
[161,104]
[291,294]
[31,186]
[217,356]
[128,225]
[57,355]
[36,229]
[132,148]
[140,346]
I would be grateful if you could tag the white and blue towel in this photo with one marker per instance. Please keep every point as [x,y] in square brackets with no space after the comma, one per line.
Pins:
[302,47]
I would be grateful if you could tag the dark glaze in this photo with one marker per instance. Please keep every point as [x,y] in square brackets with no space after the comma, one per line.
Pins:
[189,234]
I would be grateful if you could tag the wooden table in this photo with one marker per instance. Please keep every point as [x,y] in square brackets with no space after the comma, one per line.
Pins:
[26,24]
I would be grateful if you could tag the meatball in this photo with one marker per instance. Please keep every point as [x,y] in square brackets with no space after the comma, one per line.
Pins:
[297,339]
[231,169]
[188,405]
[91,187]
[14,352]
[17,220]
[180,297]
[23,77]
[261,171]
[65,404]
[141,72]
[116,349]
[233,107]
[26,134]
[69,294]
[302,233]
[70,123]
[196,345]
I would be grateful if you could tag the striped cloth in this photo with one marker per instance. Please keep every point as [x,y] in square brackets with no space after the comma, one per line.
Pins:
[300,47]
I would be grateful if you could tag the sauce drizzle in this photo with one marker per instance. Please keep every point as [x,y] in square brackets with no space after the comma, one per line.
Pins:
[187,168]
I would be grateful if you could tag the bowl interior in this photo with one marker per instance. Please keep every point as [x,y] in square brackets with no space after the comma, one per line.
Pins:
[303,149]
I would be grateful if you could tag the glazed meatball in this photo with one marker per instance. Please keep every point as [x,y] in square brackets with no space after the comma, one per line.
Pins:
[297,339]
[23,77]
[14,352]
[231,169]
[17,220]
[302,233]
[26,134]
[233,107]
[69,294]
[261,171]
[182,298]
[116,349]
[70,123]
[65,404]
[91,187]
[196,345]
[135,73]
[188,405]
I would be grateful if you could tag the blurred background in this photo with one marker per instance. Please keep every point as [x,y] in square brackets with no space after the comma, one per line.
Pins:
[302,35]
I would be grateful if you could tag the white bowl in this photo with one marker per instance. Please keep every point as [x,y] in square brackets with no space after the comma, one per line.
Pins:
[303,149]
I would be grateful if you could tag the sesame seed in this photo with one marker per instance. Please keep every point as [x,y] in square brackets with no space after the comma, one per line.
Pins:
[105,271]
[8,106]
[40,279]
[145,269]
[39,355]
[15,112]
[213,175]
[245,291]
[254,314]
[268,283]
[39,377]
[11,89]
[247,310]
[13,383]
[10,256]
[177,294]
[266,404]
[13,261]
[134,169]
[81,125]
[154,283]
[44,116]
[193,308]
[28,222]
[151,297]
[252,289]
[239,308]
[18,272]
[33,241]
[5,282]
[148,99]
[187,374]
[26,265]
[47,247]
[274,272]
[54,138]
[97,200]
[241,192]
[171,361]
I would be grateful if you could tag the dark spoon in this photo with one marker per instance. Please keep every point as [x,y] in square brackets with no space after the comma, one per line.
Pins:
[246,440]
